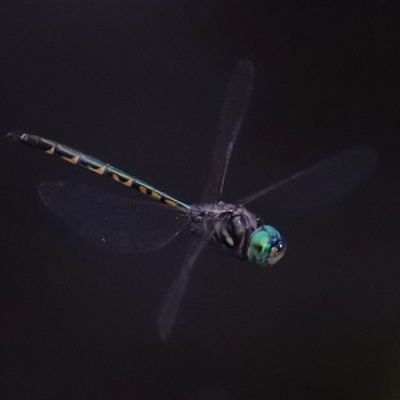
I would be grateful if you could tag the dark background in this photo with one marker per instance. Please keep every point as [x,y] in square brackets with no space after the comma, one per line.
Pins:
[141,85]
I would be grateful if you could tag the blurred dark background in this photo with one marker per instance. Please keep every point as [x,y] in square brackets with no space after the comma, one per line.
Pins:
[140,85]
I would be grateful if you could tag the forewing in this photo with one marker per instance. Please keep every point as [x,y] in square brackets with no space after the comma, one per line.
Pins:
[110,221]
[320,183]
[233,110]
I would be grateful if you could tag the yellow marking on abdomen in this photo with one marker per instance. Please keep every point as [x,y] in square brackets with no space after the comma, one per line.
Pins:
[170,203]
[127,183]
[73,160]
[118,179]
[156,195]
[51,151]
[99,171]
[142,189]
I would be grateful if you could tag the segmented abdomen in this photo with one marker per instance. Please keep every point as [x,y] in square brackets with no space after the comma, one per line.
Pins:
[93,164]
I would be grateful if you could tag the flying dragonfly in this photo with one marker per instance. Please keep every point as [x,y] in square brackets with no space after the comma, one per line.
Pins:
[142,226]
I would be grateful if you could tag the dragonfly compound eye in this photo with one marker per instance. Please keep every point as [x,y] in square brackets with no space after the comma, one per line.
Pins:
[266,246]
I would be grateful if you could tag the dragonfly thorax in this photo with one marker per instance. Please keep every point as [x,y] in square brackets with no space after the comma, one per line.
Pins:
[240,231]
[232,224]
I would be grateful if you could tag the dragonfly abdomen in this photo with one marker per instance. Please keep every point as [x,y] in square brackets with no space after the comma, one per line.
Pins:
[93,164]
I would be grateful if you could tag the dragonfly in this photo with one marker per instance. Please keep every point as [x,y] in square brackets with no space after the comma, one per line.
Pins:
[142,226]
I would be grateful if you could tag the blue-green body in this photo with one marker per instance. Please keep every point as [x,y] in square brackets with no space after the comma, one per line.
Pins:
[233,226]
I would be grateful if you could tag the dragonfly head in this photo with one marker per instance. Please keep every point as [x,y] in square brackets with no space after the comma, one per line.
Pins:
[266,246]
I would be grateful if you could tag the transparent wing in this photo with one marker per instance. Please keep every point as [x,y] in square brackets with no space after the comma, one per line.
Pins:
[113,222]
[233,110]
[174,296]
[322,182]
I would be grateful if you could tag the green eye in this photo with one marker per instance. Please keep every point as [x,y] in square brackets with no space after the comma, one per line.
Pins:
[266,246]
